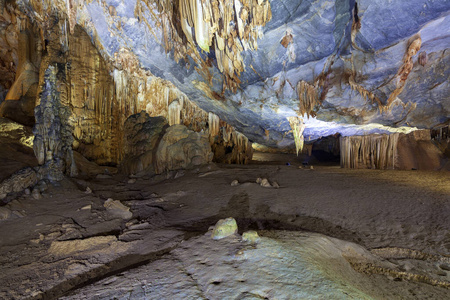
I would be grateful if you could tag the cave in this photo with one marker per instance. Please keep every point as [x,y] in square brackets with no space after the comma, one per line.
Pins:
[224,149]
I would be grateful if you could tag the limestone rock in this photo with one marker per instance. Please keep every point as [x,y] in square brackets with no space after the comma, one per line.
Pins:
[181,148]
[64,248]
[116,208]
[377,57]
[250,237]
[19,181]
[5,213]
[224,228]
[141,136]
[265,183]
[36,194]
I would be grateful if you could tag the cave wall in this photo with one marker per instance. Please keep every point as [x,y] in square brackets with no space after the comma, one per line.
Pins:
[21,51]
[8,48]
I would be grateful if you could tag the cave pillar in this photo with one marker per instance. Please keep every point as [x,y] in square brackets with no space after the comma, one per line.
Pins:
[53,133]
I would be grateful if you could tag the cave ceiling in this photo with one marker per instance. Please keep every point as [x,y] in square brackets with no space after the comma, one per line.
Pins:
[344,67]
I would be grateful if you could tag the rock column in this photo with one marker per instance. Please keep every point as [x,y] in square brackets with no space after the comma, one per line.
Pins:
[53,134]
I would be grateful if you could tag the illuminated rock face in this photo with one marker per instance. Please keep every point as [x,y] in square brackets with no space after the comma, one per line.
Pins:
[181,148]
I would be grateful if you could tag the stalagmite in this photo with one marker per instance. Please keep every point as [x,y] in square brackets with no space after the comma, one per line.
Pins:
[374,151]
[297,127]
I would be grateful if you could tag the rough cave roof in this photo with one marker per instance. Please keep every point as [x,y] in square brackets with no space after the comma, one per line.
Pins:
[361,66]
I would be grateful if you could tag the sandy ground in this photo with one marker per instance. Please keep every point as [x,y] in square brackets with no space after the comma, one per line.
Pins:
[68,243]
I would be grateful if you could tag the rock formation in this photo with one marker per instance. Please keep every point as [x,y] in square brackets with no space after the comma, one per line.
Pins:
[181,148]
[396,151]
[141,138]
[52,132]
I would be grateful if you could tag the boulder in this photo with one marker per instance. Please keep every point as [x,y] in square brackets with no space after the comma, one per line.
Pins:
[141,136]
[117,209]
[19,181]
[224,228]
[181,148]
[250,237]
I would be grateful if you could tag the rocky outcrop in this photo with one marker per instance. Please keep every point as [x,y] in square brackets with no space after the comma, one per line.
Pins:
[181,148]
[103,94]
[142,134]
[18,182]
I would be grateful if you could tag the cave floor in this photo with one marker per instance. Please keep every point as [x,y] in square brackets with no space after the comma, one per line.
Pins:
[325,232]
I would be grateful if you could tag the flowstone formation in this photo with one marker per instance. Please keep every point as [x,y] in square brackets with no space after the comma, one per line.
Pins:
[395,151]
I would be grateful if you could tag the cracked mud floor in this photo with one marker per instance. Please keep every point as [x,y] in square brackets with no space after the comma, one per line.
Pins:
[327,233]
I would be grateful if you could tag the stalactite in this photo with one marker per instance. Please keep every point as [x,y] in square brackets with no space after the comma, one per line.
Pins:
[227,26]
[297,127]
[174,113]
[309,98]
[364,92]
[213,125]
[369,151]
